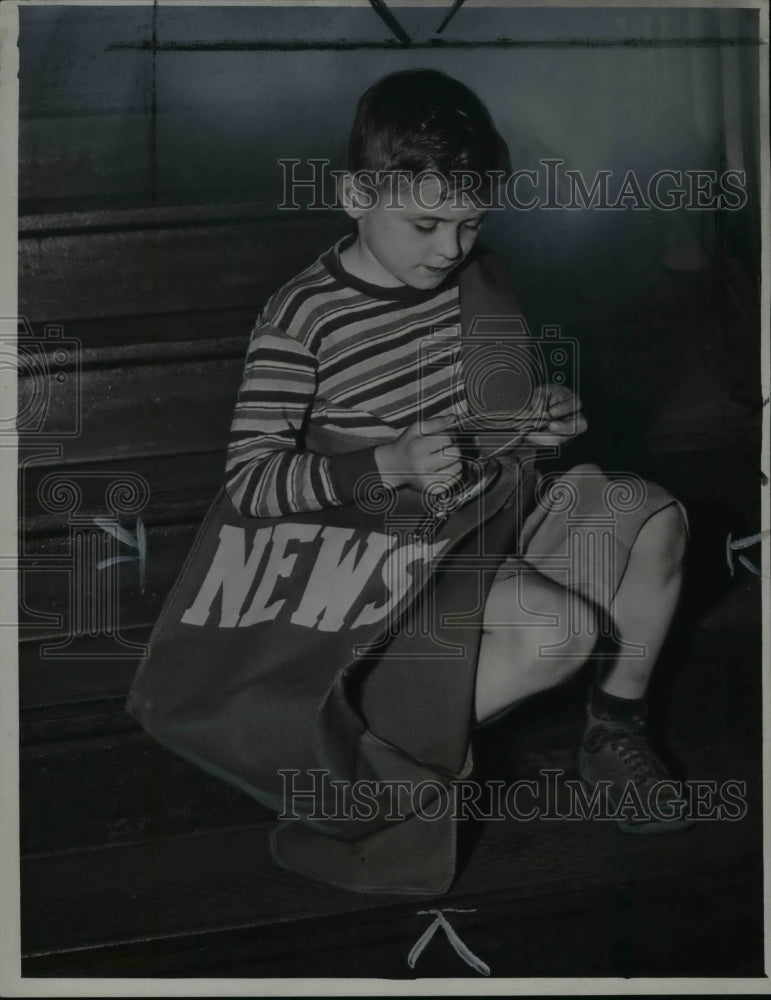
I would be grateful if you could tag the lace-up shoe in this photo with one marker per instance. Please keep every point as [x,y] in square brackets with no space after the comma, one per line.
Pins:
[640,793]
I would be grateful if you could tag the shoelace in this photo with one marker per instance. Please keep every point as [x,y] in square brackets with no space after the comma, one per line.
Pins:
[634,750]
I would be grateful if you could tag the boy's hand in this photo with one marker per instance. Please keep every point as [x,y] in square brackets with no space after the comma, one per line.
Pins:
[423,454]
[561,409]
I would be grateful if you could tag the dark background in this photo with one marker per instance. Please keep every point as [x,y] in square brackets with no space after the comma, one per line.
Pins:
[150,236]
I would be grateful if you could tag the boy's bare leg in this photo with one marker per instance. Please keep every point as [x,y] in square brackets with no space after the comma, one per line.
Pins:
[526,642]
[646,600]
[527,616]
[615,749]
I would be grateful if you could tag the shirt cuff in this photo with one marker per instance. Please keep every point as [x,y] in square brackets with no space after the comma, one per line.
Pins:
[346,470]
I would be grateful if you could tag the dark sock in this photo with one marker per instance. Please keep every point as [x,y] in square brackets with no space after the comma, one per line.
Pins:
[603,703]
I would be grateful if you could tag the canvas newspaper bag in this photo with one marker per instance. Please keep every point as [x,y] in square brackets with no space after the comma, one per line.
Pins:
[325,662]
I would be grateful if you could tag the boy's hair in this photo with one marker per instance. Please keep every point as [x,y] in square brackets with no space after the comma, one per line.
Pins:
[422,120]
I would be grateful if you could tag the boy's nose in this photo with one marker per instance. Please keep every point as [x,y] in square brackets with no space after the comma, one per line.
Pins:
[448,244]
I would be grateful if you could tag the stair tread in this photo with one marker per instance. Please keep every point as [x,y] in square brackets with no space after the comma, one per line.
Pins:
[203,882]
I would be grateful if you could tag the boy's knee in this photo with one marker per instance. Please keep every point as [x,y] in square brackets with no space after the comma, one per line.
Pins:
[663,539]
[562,651]
[551,649]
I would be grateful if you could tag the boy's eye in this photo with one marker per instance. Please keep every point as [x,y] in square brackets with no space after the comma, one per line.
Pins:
[429,227]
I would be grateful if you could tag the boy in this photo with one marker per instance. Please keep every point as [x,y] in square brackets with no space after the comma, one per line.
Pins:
[337,349]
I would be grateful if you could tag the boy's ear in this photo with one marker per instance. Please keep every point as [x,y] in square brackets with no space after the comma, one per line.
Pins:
[350,199]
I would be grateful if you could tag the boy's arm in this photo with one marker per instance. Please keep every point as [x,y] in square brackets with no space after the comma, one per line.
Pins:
[266,473]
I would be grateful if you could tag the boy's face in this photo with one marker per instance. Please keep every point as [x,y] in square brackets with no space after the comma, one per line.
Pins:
[414,239]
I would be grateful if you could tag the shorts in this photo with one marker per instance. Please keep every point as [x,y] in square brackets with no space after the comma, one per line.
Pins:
[582,528]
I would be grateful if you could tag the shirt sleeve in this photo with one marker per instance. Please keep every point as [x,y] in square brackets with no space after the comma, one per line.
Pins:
[267,472]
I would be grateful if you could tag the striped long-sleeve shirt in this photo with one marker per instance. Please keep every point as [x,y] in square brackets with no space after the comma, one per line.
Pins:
[334,354]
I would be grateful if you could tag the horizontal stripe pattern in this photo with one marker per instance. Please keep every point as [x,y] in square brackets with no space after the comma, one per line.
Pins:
[327,357]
